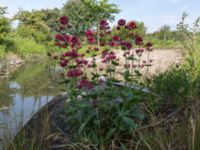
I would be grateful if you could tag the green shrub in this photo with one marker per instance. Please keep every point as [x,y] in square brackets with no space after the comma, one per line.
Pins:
[114,116]
[165,44]
[175,84]
[27,46]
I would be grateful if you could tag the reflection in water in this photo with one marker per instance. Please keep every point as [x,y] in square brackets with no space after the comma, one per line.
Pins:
[29,89]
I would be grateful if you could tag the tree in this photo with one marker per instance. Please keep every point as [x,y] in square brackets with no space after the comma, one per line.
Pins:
[164,33]
[4,22]
[84,14]
[37,24]
[3,11]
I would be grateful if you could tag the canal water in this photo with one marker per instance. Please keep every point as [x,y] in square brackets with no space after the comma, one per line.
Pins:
[30,88]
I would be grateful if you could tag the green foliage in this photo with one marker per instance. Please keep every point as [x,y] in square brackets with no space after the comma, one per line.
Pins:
[162,44]
[115,115]
[6,42]
[84,14]
[2,51]
[174,85]
[37,24]
[3,11]
[4,25]
[25,46]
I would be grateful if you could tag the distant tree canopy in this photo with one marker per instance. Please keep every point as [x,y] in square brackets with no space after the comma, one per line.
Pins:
[37,24]
[5,29]
[4,22]
[84,14]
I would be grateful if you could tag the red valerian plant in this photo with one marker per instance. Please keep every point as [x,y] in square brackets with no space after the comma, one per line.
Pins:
[101,106]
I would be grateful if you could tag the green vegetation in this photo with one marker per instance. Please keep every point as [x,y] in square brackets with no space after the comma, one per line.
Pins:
[98,114]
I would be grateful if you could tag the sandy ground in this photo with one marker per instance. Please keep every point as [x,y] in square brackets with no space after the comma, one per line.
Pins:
[162,59]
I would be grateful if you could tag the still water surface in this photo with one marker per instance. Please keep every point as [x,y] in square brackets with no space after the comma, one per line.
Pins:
[30,88]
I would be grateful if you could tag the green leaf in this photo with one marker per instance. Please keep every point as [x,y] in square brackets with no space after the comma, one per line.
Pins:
[138,73]
[129,122]
[131,58]
[115,63]
[110,133]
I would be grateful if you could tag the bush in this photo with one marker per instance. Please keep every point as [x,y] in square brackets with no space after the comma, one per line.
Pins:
[165,44]
[25,46]
[174,85]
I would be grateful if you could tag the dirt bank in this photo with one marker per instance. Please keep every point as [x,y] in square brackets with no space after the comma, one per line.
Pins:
[162,59]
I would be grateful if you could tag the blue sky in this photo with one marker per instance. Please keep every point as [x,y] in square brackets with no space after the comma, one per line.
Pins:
[154,13]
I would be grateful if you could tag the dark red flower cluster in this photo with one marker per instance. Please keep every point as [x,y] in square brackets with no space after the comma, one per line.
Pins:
[139,51]
[126,45]
[64,38]
[108,56]
[149,46]
[63,63]
[104,25]
[116,38]
[64,20]
[131,25]
[74,73]
[121,22]
[138,40]
[84,83]
[80,62]
[75,40]
[72,54]
[90,36]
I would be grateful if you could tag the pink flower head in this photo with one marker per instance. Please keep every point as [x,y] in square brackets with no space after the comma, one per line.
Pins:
[128,45]
[102,44]
[74,39]
[67,38]
[84,83]
[104,54]
[149,46]
[116,38]
[131,25]
[111,56]
[72,54]
[91,39]
[89,32]
[103,24]
[59,37]
[74,73]
[63,63]
[64,20]
[81,62]
[121,22]
[139,51]
[138,40]
[112,44]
